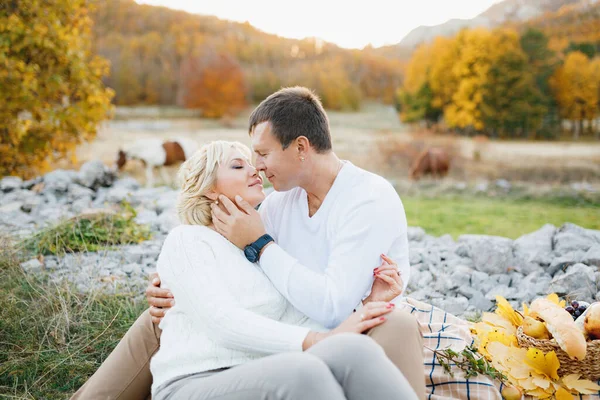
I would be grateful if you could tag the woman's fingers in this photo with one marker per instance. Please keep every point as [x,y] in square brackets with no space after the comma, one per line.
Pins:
[366,325]
[367,313]
[386,267]
[387,259]
[387,278]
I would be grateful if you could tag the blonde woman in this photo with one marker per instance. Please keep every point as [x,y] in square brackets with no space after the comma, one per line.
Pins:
[231,334]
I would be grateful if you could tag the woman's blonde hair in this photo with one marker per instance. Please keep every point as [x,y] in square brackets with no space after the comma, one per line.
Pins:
[197,176]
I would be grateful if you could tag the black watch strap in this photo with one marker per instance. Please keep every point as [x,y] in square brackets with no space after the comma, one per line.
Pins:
[257,247]
[262,242]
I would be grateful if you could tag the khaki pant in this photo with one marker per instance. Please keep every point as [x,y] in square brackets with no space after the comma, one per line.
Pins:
[125,374]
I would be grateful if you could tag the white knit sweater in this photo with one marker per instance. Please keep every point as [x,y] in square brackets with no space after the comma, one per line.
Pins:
[227,312]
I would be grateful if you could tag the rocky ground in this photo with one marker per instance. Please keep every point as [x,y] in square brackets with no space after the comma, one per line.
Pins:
[461,276]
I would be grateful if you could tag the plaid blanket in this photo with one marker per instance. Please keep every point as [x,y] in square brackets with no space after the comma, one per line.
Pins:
[442,330]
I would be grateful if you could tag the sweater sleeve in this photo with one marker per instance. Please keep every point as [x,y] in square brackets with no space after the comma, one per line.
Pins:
[199,285]
[360,237]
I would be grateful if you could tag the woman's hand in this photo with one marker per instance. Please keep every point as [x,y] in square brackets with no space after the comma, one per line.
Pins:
[388,283]
[368,317]
[159,300]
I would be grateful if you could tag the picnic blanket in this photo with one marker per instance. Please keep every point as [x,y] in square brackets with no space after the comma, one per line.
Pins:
[442,330]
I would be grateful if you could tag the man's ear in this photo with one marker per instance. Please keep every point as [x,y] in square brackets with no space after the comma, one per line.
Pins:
[302,145]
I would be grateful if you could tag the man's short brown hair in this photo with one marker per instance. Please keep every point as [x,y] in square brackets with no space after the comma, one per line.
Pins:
[294,112]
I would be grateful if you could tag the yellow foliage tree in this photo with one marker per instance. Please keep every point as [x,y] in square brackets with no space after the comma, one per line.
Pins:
[470,71]
[441,78]
[575,85]
[53,96]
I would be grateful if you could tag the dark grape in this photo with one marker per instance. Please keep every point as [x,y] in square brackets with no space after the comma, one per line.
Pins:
[570,309]
[575,304]
[581,309]
[576,313]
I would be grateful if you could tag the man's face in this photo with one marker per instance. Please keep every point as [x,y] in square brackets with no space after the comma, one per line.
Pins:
[281,167]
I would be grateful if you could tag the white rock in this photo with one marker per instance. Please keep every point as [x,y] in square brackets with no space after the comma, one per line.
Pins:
[10,183]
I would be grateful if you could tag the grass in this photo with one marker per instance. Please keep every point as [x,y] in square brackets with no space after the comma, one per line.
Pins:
[52,338]
[508,218]
[90,232]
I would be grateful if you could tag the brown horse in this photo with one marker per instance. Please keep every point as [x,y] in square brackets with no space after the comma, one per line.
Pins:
[434,161]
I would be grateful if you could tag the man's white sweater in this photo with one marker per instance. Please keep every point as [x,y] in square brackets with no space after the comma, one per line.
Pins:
[323,264]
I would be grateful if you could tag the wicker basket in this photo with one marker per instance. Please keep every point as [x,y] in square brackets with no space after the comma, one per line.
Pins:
[588,368]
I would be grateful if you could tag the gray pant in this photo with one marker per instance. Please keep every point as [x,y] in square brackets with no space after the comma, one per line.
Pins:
[344,366]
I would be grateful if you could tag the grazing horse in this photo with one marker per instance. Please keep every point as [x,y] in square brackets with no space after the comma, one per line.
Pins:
[157,153]
[434,161]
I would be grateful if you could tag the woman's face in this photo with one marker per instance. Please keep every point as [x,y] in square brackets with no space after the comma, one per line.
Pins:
[237,176]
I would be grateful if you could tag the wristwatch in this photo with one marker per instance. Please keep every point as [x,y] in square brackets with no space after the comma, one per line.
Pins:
[252,251]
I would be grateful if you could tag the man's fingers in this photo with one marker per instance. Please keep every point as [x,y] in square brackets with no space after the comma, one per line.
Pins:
[229,206]
[152,291]
[154,278]
[156,312]
[244,205]
[161,303]
[220,226]
[220,214]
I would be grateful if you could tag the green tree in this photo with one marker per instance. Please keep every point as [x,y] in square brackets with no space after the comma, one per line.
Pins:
[589,49]
[512,103]
[542,62]
[53,96]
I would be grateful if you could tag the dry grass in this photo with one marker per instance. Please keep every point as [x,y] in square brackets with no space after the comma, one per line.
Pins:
[372,138]
[52,338]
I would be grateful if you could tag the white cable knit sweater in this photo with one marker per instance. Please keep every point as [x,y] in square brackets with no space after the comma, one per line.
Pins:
[227,312]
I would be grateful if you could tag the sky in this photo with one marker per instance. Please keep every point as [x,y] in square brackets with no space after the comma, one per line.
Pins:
[349,23]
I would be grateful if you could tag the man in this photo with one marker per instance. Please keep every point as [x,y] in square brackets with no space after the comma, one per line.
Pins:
[318,238]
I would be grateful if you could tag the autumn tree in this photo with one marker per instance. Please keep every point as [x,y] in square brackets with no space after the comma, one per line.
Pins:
[512,102]
[575,85]
[53,96]
[541,62]
[213,82]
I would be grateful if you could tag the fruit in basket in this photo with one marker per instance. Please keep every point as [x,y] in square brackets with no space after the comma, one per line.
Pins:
[591,323]
[511,393]
[561,326]
[535,328]
[577,308]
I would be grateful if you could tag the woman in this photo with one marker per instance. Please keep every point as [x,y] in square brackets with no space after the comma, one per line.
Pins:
[231,335]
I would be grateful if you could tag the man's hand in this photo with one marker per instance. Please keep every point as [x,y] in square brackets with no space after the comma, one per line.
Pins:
[388,282]
[160,300]
[240,223]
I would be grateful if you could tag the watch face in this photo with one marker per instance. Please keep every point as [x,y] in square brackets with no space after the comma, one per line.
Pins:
[250,253]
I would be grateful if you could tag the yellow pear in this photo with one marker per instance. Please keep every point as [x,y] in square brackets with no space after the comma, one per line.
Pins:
[592,321]
[511,393]
[534,328]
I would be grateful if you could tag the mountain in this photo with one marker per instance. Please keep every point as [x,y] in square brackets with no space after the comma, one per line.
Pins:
[498,14]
